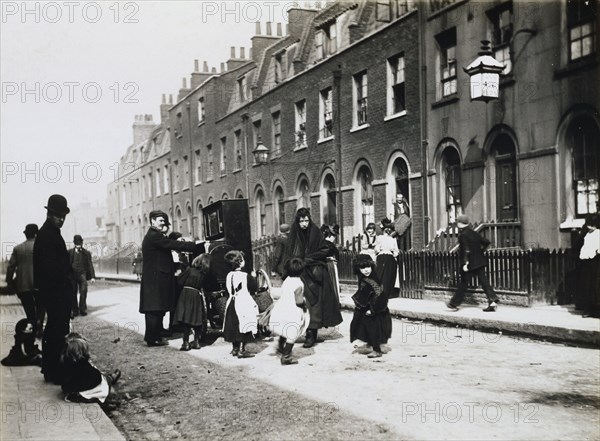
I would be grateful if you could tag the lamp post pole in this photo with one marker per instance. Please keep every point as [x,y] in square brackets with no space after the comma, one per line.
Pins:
[188,106]
[337,79]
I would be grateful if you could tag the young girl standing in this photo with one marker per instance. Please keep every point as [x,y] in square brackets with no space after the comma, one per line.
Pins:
[372,322]
[190,309]
[290,317]
[241,310]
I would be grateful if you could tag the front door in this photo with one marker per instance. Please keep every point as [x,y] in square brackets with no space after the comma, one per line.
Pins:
[506,188]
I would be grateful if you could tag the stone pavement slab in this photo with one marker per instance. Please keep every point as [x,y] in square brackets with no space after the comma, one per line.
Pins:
[35,410]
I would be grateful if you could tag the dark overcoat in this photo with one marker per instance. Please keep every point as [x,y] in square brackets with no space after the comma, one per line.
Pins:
[51,264]
[158,271]
[471,248]
[21,264]
[323,304]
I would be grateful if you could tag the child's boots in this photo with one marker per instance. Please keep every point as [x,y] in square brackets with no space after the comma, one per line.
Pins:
[286,355]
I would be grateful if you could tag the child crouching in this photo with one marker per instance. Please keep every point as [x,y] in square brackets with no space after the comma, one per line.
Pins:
[82,381]
[290,317]
[372,322]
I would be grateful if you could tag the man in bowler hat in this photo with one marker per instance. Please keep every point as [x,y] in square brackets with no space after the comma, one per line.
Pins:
[52,278]
[157,289]
[473,262]
[83,270]
[19,274]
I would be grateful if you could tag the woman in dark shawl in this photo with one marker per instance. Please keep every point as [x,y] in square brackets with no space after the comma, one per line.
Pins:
[306,242]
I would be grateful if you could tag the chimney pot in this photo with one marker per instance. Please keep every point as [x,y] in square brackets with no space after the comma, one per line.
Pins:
[164,98]
[242,53]
[268,28]
[250,53]
[170,98]
[222,67]
[287,29]
[184,83]
[257,31]
[196,66]
[279,29]
[232,52]
[205,67]
[213,70]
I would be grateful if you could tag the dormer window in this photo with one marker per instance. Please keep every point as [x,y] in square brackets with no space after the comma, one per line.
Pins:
[326,41]
[242,89]
[201,110]
[278,68]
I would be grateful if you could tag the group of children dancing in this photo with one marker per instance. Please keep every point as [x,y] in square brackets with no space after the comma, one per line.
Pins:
[289,317]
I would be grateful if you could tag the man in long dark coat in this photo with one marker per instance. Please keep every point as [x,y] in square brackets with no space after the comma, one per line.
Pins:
[158,276]
[52,278]
[473,262]
[306,242]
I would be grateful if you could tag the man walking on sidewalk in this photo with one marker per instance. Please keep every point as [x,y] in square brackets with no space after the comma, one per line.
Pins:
[20,274]
[473,263]
[83,270]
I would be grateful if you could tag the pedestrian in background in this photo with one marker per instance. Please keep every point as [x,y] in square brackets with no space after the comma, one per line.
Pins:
[471,248]
[290,317]
[330,234]
[372,321]
[158,277]
[137,265]
[386,249]
[402,221]
[367,243]
[279,250]
[83,270]
[587,298]
[19,274]
[52,275]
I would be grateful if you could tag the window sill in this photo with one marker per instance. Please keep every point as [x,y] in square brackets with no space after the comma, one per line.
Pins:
[571,223]
[237,170]
[322,140]
[445,101]
[201,123]
[209,180]
[197,183]
[175,191]
[178,136]
[395,115]
[359,128]
[573,67]
[302,146]
[185,189]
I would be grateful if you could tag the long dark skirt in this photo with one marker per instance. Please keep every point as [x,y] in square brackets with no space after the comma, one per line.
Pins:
[231,329]
[373,329]
[387,271]
[190,308]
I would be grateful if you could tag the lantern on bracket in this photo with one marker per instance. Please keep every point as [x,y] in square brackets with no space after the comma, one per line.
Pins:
[484,73]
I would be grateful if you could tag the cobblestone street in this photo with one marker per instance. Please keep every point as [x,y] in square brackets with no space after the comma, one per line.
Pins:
[435,383]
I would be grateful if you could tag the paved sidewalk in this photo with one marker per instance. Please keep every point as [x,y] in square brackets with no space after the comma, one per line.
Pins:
[549,322]
[35,410]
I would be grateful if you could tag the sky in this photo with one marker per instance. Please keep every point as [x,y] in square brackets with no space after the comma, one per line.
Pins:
[73,76]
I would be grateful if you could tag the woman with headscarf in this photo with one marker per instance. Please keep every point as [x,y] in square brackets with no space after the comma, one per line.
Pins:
[306,242]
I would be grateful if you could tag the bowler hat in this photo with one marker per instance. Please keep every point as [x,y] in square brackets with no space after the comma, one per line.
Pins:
[30,230]
[58,204]
[386,223]
[284,228]
[78,240]
[462,221]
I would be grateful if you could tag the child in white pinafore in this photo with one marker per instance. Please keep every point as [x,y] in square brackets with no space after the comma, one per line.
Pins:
[241,311]
[290,317]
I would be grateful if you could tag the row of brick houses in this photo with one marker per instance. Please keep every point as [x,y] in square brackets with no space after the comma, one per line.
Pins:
[360,100]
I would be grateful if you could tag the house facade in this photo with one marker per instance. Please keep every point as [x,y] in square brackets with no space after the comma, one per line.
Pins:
[361,100]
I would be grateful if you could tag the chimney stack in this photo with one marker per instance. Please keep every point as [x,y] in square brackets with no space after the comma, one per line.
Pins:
[142,128]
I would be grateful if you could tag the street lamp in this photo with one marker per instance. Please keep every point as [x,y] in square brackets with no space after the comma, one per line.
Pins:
[484,73]
[261,152]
